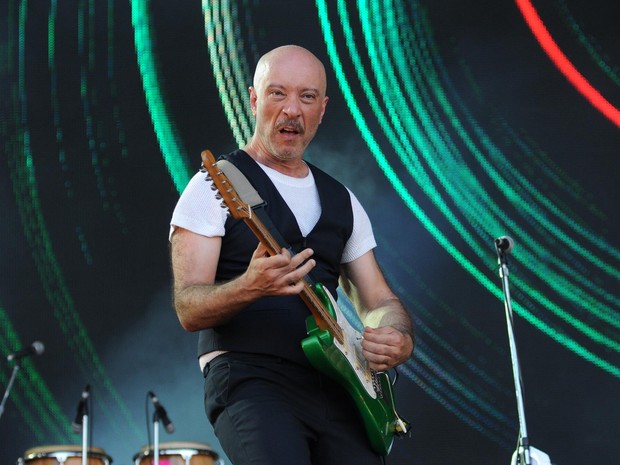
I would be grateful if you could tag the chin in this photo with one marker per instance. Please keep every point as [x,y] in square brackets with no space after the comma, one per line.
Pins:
[288,153]
[285,155]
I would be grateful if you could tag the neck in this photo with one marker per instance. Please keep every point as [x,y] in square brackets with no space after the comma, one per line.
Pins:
[294,167]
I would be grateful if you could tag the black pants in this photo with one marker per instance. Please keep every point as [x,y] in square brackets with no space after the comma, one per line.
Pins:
[269,411]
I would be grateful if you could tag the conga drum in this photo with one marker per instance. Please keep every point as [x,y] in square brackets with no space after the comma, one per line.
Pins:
[178,453]
[64,455]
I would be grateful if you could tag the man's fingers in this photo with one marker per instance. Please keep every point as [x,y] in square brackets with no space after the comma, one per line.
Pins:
[283,273]
[385,347]
[295,279]
[301,257]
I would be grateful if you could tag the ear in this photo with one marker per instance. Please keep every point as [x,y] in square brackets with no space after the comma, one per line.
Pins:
[325,100]
[253,98]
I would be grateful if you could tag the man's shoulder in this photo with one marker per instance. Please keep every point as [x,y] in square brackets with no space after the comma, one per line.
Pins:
[324,176]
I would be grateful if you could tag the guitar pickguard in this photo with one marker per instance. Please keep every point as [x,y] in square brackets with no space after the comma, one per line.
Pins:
[351,348]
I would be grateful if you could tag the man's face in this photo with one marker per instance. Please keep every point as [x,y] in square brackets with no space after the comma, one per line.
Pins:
[288,102]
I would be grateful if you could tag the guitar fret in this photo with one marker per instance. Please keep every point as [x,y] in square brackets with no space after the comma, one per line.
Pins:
[333,327]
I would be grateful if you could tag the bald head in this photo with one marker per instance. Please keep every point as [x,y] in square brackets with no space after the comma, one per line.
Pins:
[288,101]
[290,59]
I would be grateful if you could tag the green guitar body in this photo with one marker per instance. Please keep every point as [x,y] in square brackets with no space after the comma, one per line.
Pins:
[346,365]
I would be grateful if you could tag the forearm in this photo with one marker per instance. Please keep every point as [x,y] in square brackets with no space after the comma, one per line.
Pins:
[390,312]
[202,306]
[388,335]
[377,305]
[200,302]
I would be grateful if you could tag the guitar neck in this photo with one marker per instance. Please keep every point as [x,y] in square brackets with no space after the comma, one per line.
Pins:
[322,316]
[239,209]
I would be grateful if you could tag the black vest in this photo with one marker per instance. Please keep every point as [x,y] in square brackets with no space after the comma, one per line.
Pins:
[276,325]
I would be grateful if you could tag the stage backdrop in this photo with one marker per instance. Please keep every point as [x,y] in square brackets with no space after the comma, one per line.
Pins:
[455,123]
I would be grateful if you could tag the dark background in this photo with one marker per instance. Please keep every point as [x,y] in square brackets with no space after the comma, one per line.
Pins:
[87,188]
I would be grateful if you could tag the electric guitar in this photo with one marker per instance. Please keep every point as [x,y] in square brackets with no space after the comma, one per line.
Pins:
[333,345]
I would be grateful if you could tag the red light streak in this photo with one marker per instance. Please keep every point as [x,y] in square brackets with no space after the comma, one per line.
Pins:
[563,63]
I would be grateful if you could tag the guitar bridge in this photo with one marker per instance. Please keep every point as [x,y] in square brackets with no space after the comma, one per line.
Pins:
[376,384]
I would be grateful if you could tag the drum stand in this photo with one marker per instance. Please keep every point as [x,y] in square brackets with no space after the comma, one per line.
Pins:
[523,455]
[9,387]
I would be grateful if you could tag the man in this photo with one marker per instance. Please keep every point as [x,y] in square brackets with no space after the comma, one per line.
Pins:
[267,404]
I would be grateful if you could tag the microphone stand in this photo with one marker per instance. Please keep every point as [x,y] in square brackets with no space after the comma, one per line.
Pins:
[9,387]
[523,448]
[156,437]
[85,434]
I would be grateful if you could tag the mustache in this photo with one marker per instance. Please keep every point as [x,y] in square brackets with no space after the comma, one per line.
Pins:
[290,124]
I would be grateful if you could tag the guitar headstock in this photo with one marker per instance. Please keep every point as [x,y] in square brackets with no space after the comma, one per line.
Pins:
[226,191]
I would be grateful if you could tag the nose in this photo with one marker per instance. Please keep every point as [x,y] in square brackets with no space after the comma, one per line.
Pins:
[292,107]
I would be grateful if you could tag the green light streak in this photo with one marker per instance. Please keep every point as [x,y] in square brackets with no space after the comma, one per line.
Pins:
[169,142]
[229,74]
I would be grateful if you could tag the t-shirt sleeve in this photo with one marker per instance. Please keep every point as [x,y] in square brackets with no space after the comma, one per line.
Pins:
[362,238]
[198,210]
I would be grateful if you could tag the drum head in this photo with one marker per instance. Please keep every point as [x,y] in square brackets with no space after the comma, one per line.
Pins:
[64,454]
[178,453]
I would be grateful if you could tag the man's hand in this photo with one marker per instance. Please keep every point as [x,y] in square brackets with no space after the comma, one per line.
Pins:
[280,274]
[385,347]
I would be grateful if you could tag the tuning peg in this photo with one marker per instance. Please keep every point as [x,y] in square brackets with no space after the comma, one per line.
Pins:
[218,196]
[213,187]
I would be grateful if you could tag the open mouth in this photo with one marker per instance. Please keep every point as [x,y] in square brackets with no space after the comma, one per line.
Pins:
[289,128]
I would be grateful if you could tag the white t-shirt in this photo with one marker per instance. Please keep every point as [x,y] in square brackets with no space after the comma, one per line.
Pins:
[199,211]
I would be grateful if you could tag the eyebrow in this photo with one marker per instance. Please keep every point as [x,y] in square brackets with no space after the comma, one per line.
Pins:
[280,86]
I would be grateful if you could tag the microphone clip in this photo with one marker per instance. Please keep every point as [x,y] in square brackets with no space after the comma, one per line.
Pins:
[82,410]
[160,414]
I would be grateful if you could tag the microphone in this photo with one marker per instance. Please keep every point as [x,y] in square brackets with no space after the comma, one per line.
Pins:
[82,409]
[36,348]
[160,412]
[504,243]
